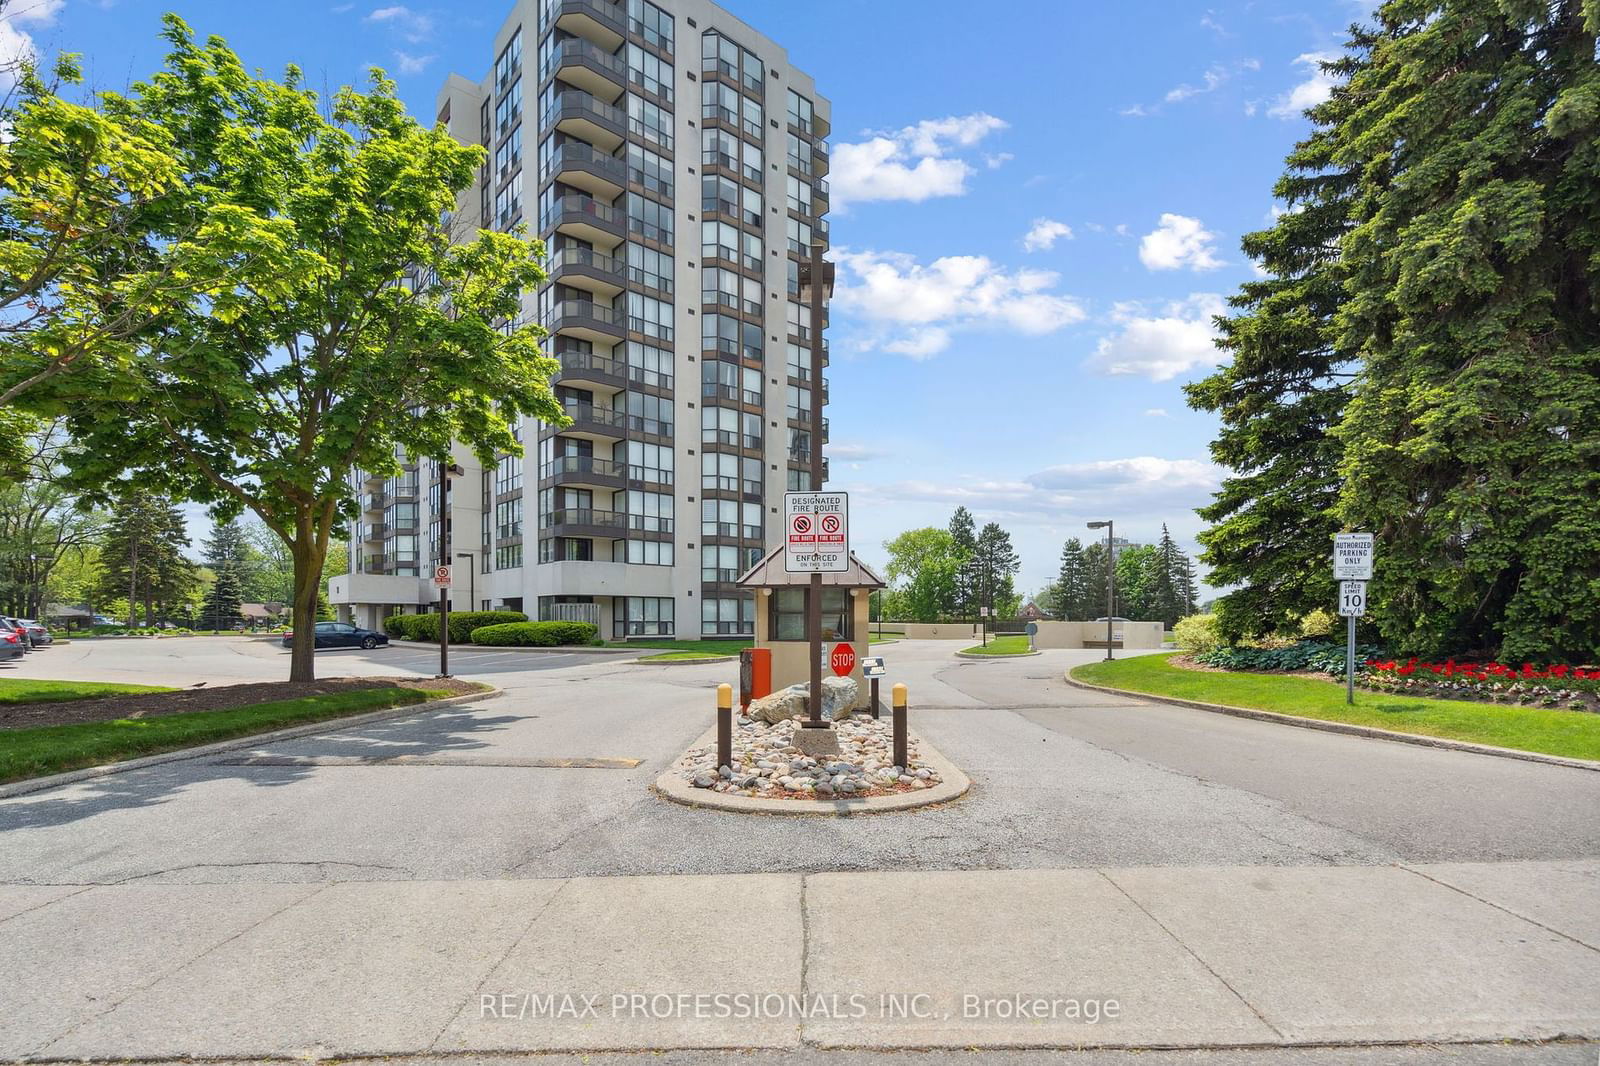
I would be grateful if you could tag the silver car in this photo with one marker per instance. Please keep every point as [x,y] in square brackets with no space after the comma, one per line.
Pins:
[38,632]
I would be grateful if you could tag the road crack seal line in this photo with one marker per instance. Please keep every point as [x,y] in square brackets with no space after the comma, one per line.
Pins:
[1498,907]
[46,903]
[184,965]
[1192,954]
[319,864]
[516,941]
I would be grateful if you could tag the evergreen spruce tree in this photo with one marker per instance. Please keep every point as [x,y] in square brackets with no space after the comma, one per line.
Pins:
[1072,584]
[1283,389]
[142,556]
[223,599]
[1164,568]
[964,538]
[1095,572]
[994,564]
[1472,446]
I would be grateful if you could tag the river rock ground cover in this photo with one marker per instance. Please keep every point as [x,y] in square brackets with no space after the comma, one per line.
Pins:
[766,763]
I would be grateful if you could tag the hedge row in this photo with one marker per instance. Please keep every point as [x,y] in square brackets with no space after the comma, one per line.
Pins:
[462,623]
[536,634]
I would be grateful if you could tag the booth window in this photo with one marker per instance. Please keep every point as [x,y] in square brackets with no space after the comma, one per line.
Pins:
[788,620]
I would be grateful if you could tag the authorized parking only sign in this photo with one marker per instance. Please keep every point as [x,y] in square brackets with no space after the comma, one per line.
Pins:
[816,532]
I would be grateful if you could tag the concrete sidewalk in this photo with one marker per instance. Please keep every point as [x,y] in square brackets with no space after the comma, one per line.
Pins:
[1148,957]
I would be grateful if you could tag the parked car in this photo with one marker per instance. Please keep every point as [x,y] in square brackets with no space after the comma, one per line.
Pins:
[13,645]
[341,635]
[21,628]
[38,632]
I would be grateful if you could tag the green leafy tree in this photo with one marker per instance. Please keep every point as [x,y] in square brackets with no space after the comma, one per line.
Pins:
[41,524]
[1095,572]
[142,556]
[1072,584]
[923,567]
[1281,392]
[1133,578]
[1472,445]
[365,321]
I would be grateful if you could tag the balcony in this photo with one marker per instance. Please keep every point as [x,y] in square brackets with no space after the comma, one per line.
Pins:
[577,114]
[596,372]
[584,522]
[593,171]
[819,158]
[595,423]
[584,268]
[375,501]
[597,20]
[587,219]
[584,471]
[404,491]
[590,67]
[819,196]
[374,531]
[587,320]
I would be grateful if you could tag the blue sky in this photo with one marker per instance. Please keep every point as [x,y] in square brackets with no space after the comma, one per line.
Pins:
[1035,214]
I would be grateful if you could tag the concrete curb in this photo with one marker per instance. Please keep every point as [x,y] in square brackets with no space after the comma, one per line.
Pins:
[560,649]
[1344,727]
[953,784]
[683,662]
[40,784]
[1007,655]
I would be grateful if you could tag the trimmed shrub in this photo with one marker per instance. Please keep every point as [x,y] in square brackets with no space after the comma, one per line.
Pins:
[1311,655]
[1197,633]
[1319,623]
[536,634]
[425,627]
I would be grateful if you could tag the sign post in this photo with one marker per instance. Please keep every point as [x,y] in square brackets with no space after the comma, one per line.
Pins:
[872,669]
[816,539]
[441,581]
[1352,568]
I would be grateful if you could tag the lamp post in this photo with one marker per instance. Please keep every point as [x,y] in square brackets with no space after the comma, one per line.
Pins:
[816,282]
[1111,581]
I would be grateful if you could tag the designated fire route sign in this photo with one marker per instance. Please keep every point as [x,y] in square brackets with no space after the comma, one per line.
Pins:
[816,532]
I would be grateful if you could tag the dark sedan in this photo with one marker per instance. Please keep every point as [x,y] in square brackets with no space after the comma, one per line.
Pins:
[341,635]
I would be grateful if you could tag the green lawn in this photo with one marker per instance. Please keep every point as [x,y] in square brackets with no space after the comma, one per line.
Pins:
[680,656]
[1574,734]
[20,690]
[1001,645]
[703,647]
[52,749]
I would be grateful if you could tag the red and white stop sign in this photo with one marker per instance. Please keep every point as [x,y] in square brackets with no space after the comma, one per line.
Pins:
[843,659]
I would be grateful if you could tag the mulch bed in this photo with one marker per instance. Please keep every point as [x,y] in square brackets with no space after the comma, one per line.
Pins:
[204,698]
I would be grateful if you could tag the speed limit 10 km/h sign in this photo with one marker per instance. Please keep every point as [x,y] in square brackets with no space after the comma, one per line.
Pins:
[1352,598]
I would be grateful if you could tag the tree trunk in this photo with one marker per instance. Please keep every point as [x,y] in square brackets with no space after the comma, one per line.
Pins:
[133,587]
[308,551]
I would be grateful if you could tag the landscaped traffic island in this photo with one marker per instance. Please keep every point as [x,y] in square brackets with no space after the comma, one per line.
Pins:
[999,647]
[1568,733]
[85,724]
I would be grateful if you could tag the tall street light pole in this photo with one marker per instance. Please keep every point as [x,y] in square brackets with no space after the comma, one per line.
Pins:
[1111,580]
[472,579]
[817,277]
[450,469]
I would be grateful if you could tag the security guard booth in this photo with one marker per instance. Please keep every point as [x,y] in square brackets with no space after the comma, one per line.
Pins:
[781,617]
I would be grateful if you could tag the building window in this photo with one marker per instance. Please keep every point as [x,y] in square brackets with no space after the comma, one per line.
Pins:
[649,366]
[645,616]
[649,219]
[650,170]
[649,414]
[649,268]
[787,617]
[728,616]
[646,119]
[801,115]
[651,23]
[650,462]
[510,61]
[650,511]
[650,552]
[508,557]
[508,474]
[509,109]
[649,316]
[650,72]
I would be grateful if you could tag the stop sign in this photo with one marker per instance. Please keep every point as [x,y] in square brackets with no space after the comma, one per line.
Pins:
[843,659]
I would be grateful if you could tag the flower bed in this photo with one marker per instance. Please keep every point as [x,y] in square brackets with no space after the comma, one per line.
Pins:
[1317,656]
[1575,688]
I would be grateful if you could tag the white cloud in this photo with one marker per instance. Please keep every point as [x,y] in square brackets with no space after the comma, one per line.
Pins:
[1317,87]
[412,25]
[17,44]
[911,163]
[911,309]
[1155,412]
[1044,234]
[410,64]
[1178,242]
[997,160]
[1212,79]
[1163,344]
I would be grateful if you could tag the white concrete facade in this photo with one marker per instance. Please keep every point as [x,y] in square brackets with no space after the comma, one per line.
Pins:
[673,162]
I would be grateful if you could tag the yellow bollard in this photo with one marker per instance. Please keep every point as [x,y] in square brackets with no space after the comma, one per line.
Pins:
[724,726]
[898,699]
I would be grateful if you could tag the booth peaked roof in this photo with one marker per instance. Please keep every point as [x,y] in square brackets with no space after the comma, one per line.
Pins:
[769,573]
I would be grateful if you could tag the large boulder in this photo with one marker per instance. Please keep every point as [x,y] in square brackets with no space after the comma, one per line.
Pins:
[838,701]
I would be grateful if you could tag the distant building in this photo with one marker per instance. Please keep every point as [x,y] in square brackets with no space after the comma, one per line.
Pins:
[1031,612]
